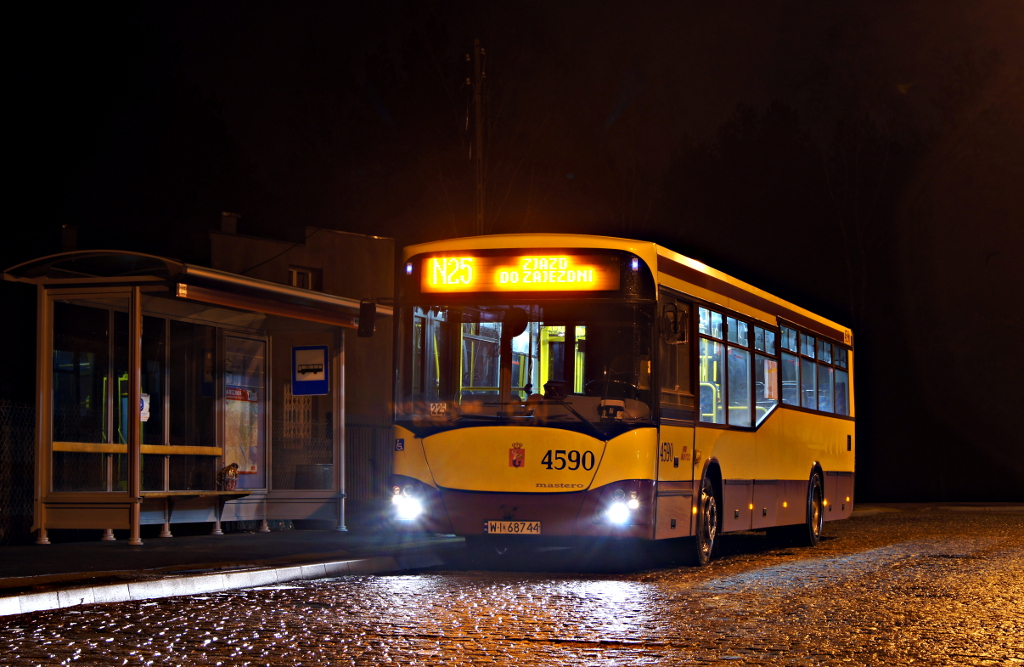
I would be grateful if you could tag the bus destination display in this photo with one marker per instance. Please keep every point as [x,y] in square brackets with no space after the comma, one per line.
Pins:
[526,273]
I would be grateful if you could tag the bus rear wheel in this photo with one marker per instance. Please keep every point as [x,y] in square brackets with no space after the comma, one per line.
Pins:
[809,533]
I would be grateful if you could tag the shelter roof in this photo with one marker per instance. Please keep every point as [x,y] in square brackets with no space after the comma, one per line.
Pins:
[105,268]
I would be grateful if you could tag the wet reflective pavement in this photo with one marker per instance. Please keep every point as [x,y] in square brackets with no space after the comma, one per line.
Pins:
[899,588]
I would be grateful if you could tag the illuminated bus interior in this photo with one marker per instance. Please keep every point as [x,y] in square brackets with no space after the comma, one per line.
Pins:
[574,365]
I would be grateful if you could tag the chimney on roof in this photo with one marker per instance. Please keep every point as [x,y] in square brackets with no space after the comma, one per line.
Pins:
[68,238]
[229,222]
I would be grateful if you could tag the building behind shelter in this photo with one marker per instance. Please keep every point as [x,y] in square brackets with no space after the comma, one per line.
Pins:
[349,265]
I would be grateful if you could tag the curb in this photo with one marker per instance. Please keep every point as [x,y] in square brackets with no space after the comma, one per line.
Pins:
[207,583]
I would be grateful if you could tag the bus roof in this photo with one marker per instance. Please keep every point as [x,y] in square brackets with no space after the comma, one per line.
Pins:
[671,270]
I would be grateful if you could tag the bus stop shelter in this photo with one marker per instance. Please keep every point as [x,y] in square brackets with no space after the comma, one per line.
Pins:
[171,393]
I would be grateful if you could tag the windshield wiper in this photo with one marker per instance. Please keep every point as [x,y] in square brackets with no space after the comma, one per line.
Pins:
[601,435]
[568,406]
[512,417]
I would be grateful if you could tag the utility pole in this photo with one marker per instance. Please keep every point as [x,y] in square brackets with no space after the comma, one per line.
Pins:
[478,143]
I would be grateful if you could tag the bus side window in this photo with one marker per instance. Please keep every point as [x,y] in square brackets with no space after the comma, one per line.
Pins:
[674,358]
[790,379]
[766,374]
[842,383]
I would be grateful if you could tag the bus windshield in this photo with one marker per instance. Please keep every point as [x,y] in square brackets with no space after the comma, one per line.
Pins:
[571,365]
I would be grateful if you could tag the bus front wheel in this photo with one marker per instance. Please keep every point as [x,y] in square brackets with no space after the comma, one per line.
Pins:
[704,542]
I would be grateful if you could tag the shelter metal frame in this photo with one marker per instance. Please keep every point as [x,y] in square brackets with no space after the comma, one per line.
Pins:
[102,275]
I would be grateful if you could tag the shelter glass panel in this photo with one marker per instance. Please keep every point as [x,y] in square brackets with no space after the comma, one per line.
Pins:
[79,471]
[193,352]
[154,371]
[303,442]
[192,472]
[153,472]
[244,410]
[84,395]
[80,366]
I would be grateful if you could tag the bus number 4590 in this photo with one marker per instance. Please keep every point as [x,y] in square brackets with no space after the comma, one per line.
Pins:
[560,459]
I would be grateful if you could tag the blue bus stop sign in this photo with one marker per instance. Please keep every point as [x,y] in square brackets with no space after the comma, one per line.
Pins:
[310,372]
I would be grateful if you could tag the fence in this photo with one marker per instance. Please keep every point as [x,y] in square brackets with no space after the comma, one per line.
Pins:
[17,471]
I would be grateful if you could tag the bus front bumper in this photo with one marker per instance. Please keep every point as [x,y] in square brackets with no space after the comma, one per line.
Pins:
[621,509]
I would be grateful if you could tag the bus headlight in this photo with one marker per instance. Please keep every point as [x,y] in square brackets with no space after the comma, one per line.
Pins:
[622,506]
[618,512]
[407,506]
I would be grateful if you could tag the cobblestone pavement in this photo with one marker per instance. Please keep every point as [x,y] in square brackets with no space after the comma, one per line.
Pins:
[900,588]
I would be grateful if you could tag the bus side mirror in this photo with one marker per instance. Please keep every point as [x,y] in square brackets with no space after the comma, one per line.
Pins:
[367,318]
[515,322]
[674,324]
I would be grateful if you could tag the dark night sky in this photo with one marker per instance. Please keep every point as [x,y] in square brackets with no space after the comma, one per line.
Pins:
[864,160]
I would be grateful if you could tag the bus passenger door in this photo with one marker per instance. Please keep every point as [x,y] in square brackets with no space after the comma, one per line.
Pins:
[676,425]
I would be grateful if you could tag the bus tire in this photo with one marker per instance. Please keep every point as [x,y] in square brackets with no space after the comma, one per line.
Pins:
[705,541]
[809,534]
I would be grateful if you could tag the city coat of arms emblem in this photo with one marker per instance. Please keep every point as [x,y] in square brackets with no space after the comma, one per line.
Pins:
[517,455]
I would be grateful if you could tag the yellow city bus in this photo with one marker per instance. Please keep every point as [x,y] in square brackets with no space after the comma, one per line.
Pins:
[571,386]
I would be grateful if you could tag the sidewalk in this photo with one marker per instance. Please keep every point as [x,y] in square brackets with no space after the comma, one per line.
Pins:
[36,578]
